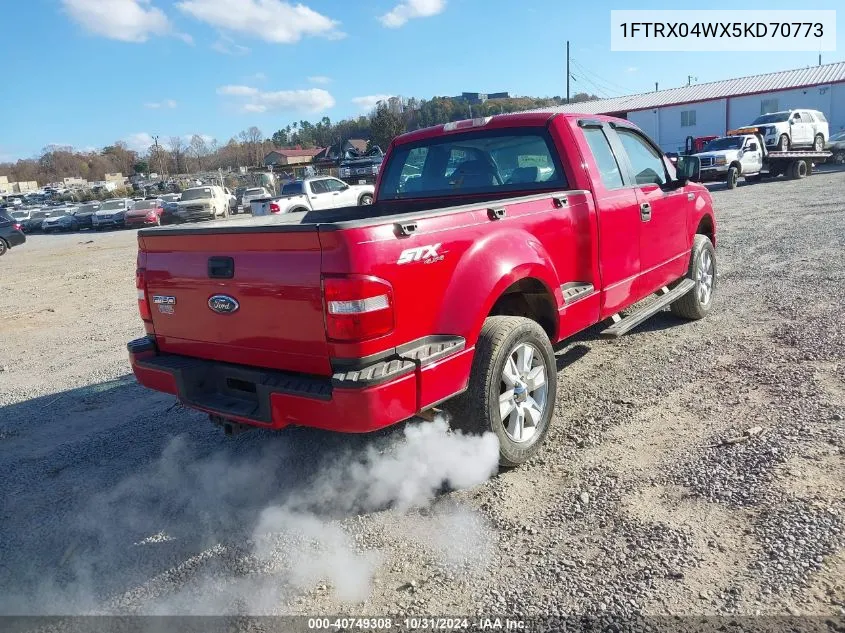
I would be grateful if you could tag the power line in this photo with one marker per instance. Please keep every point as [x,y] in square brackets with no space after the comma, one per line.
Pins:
[599,91]
[611,86]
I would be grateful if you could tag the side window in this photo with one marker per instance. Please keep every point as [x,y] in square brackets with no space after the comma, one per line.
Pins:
[333,185]
[796,117]
[611,176]
[318,187]
[820,117]
[646,163]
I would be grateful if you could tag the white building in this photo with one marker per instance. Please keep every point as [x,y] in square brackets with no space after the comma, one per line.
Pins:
[670,116]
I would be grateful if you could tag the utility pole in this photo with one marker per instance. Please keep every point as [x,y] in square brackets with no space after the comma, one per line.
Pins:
[690,79]
[161,169]
[567,71]
[655,86]
[820,59]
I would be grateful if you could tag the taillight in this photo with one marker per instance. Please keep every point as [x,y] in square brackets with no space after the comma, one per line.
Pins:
[17,227]
[141,285]
[275,208]
[358,307]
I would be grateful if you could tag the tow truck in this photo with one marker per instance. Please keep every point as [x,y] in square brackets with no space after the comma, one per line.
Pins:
[742,153]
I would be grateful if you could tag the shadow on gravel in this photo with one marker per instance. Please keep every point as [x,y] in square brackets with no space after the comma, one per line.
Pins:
[109,486]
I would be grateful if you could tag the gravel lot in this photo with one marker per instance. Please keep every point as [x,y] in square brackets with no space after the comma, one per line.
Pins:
[118,501]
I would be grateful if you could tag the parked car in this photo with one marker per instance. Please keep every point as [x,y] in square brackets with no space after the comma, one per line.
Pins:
[836,144]
[10,232]
[202,203]
[36,219]
[448,291]
[65,220]
[251,194]
[145,212]
[19,215]
[112,213]
[314,194]
[85,214]
[793,128]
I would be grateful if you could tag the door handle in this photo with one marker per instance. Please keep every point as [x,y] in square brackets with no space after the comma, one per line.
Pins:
[690,197]
[645,211]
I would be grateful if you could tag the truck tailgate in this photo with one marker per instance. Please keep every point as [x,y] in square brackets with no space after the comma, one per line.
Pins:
[274,281]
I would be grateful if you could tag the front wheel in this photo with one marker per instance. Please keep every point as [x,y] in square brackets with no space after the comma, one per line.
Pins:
[783,143]
[697,302]
[733,177]
[512,388]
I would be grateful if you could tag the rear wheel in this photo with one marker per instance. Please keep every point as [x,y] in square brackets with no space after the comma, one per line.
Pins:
[798,170]
[818,143]
[365,199]
[512,388]
[697,302]
[3,247]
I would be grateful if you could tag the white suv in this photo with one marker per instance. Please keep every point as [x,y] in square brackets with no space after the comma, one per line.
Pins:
[794,128]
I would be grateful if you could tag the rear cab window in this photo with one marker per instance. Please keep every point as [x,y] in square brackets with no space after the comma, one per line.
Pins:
[479,162]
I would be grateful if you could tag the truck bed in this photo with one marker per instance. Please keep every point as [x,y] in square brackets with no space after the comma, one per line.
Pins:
[343,217]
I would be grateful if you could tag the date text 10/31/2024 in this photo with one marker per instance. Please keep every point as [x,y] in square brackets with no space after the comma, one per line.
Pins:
[416,623]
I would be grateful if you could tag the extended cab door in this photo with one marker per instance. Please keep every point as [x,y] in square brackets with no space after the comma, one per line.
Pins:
[619,222]
[318,194]
[664,239]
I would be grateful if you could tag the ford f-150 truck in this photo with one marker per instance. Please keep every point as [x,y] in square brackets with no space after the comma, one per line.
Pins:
[313,194]
[488,241]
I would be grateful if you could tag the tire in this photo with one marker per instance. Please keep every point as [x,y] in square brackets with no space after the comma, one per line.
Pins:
[365,200]
[696,304]
[478,409]
[818,143]
[3,247]
[783,143]
[733,176]
[226,211]
[798,170]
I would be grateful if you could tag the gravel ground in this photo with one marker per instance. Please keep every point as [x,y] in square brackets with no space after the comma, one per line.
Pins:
[116,500]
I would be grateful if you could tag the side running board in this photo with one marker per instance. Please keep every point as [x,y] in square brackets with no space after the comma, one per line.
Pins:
[623,325]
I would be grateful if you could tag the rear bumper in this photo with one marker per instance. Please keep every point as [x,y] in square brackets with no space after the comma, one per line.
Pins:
[14,238]
[353,401]
[141,221]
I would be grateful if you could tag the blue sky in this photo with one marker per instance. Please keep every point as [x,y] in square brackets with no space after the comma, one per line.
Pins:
[88,72]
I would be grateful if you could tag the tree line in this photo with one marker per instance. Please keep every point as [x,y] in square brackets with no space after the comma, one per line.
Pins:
[179,155]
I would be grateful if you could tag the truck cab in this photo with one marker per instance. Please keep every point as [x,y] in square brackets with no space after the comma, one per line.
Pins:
[730,157]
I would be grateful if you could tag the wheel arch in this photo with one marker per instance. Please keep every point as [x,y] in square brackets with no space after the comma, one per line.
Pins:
[706,226]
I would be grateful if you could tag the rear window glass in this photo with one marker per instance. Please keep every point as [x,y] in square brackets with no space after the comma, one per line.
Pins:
[197,194]
[292,188]
[473,163]
[144,204]
[111,205]
[254,192]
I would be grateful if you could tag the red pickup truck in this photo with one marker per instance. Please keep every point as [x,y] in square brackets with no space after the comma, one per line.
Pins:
[488,241]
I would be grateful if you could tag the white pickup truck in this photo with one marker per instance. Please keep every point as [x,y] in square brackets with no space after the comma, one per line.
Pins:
[313,194]
[743,154]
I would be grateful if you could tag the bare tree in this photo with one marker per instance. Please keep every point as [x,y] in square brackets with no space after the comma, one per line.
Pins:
[199,149]
[177,148]
[255,138]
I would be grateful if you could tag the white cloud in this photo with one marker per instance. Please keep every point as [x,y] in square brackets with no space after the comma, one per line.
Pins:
[271,20]
[410,9]
[369,102]
[320,79]
[139,141]
[124,20]
[228,46]
[254,100]
[237,91]
[155,105]
[631,69]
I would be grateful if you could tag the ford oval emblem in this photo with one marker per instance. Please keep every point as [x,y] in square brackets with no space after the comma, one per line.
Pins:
[223,304]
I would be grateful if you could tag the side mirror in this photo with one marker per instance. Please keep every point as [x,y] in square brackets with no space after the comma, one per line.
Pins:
[688,169]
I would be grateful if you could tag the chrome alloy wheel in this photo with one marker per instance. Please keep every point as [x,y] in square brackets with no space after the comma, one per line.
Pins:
[523,393]
[705,277]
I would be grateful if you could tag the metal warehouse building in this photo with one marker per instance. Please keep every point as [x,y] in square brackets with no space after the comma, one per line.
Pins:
[670,116]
